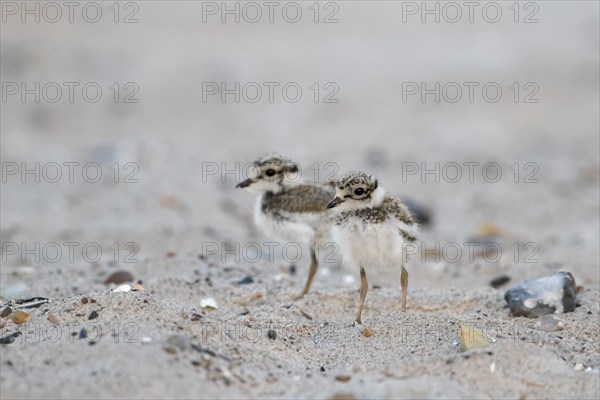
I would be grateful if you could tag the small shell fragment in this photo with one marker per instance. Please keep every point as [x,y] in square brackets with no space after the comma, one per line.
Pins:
[282,277]
[208,303]
[471,338]
[122,288]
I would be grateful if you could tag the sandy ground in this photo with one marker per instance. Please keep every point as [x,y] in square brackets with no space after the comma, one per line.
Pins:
[187,234]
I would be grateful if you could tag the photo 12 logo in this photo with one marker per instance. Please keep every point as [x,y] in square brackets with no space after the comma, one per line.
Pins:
[237,172]
[471,92]
[471,251]
[69,92]
[53,12]
[469,171]
[69,252]
[91,332]
[68,171]
[253,252]
[453,12]
[269,92]
[253,12]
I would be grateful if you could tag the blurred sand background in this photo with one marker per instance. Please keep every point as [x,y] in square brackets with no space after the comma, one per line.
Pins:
[178,208]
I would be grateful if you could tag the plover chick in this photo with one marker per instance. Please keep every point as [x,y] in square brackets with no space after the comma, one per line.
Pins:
[289,210]
[371,229]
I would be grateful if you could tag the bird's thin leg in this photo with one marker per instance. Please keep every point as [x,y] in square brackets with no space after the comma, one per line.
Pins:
[314,265]
[404,283]
[364,286]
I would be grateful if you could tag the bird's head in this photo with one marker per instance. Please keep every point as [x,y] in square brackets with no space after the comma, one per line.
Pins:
[270,173]
[356,190]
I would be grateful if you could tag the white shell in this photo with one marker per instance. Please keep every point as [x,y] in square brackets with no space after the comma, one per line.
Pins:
[208,303]
[122,288]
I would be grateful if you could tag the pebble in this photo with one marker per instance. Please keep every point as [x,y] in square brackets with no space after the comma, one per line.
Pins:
[104,153]
[368,331]
[93,315]
[306,315]
[208,303]
[272,334]
[360,368]
[488,229]
[83,333]
[6,312]
[499,281]
[53,319]
[85,300]
[579,367]
[146,339]
[197,317]
[549,323]
[20,317]
[122,288]
[554,293]
[471,338]
[8,339]
[138,288]
[170,201]
[343,378]
[119,277]
[177,343]
[245,281]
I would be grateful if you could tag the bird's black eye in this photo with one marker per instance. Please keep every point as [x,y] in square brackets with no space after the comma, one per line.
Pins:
[270,172]
[359,191]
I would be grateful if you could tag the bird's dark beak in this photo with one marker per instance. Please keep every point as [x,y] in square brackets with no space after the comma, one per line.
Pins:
[245,183]
[336,200]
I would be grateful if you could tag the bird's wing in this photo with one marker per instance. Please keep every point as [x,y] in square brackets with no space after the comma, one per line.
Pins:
[304,198]
[405,221]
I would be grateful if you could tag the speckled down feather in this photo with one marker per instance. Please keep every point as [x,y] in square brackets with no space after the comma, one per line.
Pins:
[391,206]
[303,198]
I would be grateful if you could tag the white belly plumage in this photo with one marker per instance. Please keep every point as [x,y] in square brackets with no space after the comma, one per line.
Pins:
[294,229]
[369,245]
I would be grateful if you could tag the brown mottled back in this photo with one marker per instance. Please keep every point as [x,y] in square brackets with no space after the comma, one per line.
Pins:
[303,198]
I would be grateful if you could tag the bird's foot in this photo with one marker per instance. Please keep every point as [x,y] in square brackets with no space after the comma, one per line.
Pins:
[296,297]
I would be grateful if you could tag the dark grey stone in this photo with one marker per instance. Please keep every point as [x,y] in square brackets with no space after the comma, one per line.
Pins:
[556,293]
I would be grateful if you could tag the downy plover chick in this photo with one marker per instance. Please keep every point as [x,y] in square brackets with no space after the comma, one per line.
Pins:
[371,229]
[288,210]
